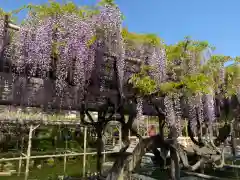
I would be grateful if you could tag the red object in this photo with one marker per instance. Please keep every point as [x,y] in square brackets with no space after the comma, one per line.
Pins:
[152,131]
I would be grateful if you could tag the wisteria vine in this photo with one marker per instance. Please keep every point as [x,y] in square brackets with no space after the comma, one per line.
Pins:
[67,44]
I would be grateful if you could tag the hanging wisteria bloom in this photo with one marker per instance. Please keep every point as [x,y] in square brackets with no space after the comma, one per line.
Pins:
[109,22]
[65,37]
[162,63]
[22,50]
[18,49]
[120,57]
[200,106]
[209,106]
[73,38]
[192,63]
[41,50]
[178,112]
[192,113]
[1,33]
[157,59]
[139,109]
[169,110]
[196,111]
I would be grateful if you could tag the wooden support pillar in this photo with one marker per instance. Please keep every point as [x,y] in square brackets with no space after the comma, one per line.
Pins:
[113,138]
[138,125]
[104,156]
[32,128]
[113,142]
[84,151]
[20,160]
[65,156]
[186,128]
[120,135]
[121,177]
[217,129]
[104,147]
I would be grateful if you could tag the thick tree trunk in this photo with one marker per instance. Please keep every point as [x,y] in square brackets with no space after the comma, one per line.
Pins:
[133,158]
[175,168]
[173,144]
[100,146]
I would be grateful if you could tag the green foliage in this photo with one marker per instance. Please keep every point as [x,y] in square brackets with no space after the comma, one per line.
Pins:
[133,38]
[2,12]
[179,57]
[50,161]
[174,52]
[169,87]
[237,59]
[91,41]
[52,8]
[205,76]
[197,83]
[215,63]
[44,145]
[10,15]
[179,50]
[107,2]
[143,82]
[233,79]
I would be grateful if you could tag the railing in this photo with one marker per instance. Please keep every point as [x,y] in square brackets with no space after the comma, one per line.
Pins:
[185,141]
[28,156]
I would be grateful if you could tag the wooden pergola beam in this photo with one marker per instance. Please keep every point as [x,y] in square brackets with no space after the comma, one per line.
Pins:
[13,26]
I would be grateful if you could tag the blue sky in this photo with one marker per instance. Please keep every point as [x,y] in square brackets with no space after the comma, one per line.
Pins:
[216,21]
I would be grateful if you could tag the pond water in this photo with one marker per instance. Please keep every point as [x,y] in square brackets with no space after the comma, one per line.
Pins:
[51,171]
[74,169]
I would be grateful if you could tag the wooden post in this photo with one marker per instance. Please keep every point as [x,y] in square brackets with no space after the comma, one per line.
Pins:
[113,142]
[217,129]
[120,136]
[104,145]
[29,150]
[186,130]
[65,157]
[138,125]
[84,151]
[121,177]
[147,126]
[104,156]
[20,160]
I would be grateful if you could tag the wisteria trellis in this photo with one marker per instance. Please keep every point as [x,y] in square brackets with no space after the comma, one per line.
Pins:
[67,36]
